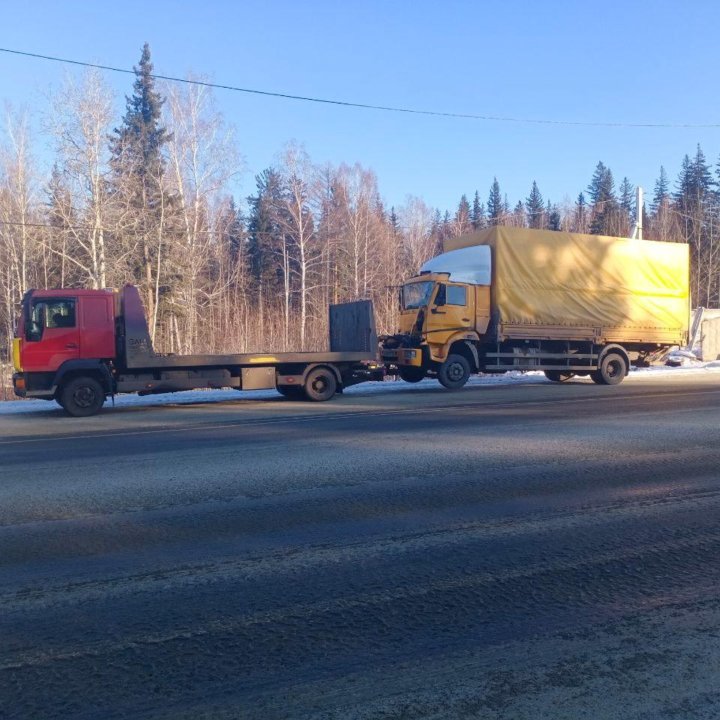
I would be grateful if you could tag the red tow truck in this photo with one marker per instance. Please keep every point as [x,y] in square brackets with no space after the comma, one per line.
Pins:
[79,347]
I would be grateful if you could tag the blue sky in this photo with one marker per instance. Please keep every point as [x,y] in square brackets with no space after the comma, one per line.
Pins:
[622,62]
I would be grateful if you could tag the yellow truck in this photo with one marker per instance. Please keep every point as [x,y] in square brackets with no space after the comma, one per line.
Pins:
[568,304]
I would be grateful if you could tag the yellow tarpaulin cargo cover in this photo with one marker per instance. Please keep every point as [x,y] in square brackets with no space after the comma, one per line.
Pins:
[611,289]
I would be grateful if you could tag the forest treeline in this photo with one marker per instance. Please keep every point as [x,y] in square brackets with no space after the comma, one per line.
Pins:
[146,199]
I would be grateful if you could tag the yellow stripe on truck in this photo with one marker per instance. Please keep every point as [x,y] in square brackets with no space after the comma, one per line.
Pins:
[16,354]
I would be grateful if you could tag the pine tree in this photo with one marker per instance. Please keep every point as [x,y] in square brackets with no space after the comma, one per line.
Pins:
[535,208]
[495,204]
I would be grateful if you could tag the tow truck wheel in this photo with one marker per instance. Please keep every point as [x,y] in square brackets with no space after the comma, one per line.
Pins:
[411,374]
[558,375]
[82,397]
[320,384]
[454,372]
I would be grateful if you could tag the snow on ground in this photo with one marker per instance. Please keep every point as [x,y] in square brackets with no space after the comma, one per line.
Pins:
[208,396]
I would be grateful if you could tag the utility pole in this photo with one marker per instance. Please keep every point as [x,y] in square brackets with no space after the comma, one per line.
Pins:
[636,233]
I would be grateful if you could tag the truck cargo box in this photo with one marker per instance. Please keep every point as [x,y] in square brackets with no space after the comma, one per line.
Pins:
[548,284]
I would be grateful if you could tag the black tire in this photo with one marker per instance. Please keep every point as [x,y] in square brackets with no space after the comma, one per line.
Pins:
[292,392]
[612,370]
[320,384]
[411,374]
[558,375]
[82,397]
[454,372]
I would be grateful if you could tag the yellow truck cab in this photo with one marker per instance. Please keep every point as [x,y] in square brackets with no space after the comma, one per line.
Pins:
[444,312]
[567,304]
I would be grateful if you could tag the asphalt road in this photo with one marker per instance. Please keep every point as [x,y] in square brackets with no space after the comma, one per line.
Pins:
[528,551]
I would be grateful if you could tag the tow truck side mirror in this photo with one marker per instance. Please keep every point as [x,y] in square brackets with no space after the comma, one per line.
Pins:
[440,297]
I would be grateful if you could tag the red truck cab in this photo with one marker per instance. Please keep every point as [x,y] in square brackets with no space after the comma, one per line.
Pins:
[61,330]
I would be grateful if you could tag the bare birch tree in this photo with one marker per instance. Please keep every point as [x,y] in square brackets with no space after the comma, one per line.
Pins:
[202,158]
[80,122]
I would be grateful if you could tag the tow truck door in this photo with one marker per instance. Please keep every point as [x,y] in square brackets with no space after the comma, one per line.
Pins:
[52,336]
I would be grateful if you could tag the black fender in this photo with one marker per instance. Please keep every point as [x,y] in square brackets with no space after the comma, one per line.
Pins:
[86,367]
[471,349]
[614,348]
[330,366]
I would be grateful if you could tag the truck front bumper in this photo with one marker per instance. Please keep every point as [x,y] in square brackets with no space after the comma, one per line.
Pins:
[26,386]
[403,356]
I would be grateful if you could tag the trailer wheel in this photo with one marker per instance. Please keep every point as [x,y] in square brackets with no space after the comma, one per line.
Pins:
[82,397]
[612,370]
[320,384]
[411,374]
[558,375]
[454,372]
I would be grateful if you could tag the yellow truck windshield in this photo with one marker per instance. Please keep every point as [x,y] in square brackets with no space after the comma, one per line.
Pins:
[417,294]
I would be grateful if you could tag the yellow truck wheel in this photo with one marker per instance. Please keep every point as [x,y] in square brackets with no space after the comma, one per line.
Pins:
[612,370]
[454,372]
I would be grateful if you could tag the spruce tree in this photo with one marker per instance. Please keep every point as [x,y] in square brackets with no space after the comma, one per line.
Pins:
[394,222]
[265,230]
[580,220]
[702,177]
[477,214]
[662,191]
[495,204]
[627,197]
[553,217]
[535,208]
[605,207]
[233,233]
[138,167]
[136,146]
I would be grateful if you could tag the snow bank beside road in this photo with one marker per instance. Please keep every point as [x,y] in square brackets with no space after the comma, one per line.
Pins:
[210,396]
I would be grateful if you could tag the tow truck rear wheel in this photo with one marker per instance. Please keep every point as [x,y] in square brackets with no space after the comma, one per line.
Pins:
[320,384]
[454,372]
[411,374]
[82,397]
